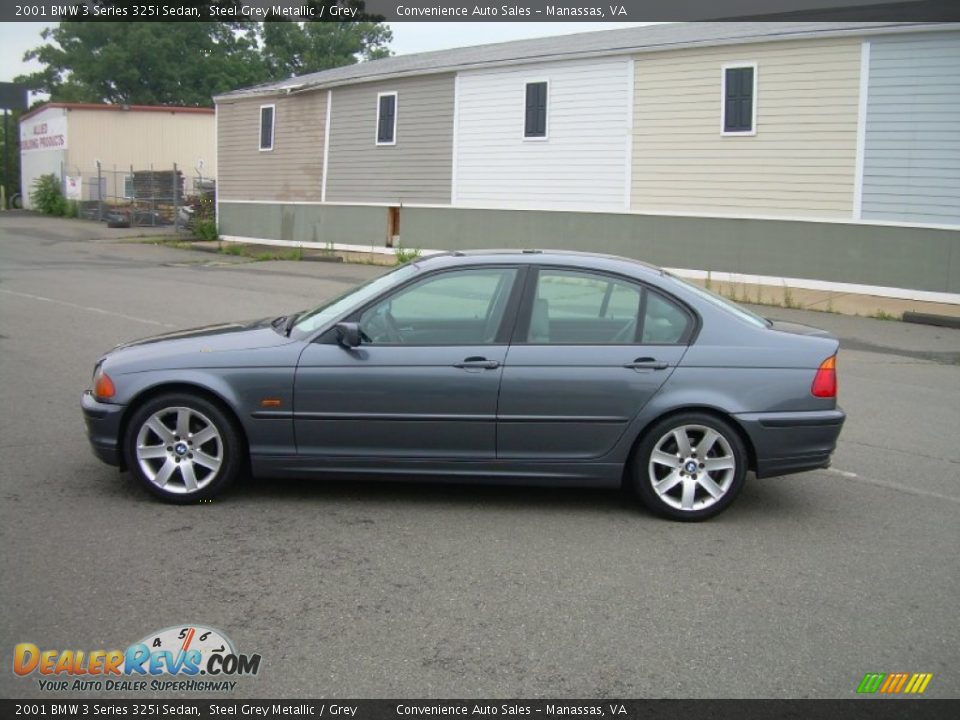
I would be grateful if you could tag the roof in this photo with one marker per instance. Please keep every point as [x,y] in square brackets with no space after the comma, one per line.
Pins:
[575,258]
[117,108]
[648,38]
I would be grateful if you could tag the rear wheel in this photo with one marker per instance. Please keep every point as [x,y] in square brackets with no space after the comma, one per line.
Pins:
[689,466]
[183,448]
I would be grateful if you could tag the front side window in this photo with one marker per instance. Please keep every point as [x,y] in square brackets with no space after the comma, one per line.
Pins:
[463,307]
[738,99]
[386,118]
[581,308]
[267,113]
[535,118]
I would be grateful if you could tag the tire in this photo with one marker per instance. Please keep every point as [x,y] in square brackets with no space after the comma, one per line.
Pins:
[685,487]
[183,448]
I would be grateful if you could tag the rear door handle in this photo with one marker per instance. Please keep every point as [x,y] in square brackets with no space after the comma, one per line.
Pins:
[646,363]
[477,363]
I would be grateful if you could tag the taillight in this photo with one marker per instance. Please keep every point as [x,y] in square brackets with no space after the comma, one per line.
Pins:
[825,381]
[103,388]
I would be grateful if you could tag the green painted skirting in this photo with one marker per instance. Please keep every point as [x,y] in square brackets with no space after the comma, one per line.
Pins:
[913,258]
[352,224]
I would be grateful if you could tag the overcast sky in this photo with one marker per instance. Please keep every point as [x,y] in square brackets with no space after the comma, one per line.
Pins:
[408,37]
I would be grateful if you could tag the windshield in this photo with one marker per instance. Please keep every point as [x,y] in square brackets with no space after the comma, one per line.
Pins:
[323,314]
[721,302]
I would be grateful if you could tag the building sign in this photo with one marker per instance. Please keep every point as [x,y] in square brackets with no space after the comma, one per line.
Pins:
[37,135]
[74,188]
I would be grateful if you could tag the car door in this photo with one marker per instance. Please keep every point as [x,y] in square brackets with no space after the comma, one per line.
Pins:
[588,352]
[423,383]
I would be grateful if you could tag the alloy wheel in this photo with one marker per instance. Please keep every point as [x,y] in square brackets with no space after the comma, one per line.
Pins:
[692,467]
[180,450]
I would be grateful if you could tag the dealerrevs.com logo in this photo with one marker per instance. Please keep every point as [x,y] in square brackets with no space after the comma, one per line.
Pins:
[179,658]
[894,683]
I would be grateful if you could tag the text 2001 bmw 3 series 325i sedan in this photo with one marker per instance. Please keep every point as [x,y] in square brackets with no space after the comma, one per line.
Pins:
[530,367]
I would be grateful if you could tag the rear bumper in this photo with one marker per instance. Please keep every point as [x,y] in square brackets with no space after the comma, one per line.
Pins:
[792,442]
[103,428]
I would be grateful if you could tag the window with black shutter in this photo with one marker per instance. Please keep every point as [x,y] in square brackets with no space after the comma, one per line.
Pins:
[266,127]
[535,121]
[387,119]
[738,100]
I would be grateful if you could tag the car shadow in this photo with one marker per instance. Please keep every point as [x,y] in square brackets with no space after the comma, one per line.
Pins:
[767,500]
[377,490]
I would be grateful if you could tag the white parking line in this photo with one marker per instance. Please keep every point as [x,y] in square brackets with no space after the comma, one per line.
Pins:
[893,486]
[100,311]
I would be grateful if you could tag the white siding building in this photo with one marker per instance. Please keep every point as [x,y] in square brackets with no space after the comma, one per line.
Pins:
[581,160]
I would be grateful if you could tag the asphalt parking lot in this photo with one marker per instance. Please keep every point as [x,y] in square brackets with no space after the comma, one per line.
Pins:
[413,590]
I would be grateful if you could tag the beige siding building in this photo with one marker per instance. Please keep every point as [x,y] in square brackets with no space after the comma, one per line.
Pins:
[799,161]
[292,168]
[68,139]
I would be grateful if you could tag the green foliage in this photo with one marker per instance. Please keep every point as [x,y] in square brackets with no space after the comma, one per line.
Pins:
[46,195]
[233,249]
[206,229]
[187,63]
[72,209]
[12,181]
[405,255]
[290,48]
[883,315]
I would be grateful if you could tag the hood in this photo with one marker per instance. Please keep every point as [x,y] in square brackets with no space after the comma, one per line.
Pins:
[223,335]
[225,344]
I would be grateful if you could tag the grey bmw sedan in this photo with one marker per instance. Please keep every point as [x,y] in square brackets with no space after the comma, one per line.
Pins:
[532,367]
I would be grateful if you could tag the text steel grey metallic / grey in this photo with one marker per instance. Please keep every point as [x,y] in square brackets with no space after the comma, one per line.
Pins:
[512,367]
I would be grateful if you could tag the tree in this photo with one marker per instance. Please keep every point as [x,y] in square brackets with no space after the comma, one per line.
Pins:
[10,150]
[186,63]
[294,48]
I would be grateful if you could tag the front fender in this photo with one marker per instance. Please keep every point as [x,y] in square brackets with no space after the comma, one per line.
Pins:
[242,390]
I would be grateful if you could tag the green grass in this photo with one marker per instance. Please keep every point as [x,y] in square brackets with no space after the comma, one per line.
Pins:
[239,250]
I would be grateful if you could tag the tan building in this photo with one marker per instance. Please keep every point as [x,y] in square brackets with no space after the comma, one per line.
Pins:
[68,140]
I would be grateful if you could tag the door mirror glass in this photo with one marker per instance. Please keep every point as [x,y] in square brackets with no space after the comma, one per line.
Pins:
[348,334]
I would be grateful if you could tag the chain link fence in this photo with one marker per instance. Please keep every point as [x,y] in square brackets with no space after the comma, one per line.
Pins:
[138,197]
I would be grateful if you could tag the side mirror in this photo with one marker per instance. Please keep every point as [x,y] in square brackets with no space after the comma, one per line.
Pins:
[348,334]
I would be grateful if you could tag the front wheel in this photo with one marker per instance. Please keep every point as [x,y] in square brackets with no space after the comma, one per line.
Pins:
[183,448]
[689,467]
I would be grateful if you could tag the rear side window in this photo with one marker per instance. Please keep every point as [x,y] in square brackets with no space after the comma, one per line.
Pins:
[664,322]
[572,307]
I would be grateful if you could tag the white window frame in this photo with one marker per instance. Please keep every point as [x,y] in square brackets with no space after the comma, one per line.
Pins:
[523,115]
[723,98]
[396,114]
[273,128]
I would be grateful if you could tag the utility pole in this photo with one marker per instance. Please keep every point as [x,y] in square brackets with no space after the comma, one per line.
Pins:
[5,191]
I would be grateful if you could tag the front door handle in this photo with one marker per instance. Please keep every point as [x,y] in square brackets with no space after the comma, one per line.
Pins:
[646,363]
[477,363]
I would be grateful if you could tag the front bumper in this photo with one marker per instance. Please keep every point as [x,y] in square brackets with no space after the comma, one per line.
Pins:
[103,428]
[792,442]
